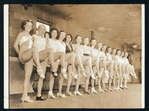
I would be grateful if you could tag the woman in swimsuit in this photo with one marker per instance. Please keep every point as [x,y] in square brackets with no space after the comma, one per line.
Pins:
[119,66]
[123,69]
[129,69]
[94,62]
[102,64]
[78,62]
[59,58]
[115,72]
[86,61]
[23,46]
[110,65]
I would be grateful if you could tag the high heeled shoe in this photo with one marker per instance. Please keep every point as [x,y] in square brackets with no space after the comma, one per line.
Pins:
[75,76]
[40,72]
[110,89]
[51,96]
[101,91]
[92,75]
[125,87]
[94,91]
[69,94]
[61,95]
[26,99]
[77,93]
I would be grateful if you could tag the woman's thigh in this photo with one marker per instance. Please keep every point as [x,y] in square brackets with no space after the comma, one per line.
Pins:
[85,59]
[57,55]
[43,54]
[94,61]
[68,56]
[27,55]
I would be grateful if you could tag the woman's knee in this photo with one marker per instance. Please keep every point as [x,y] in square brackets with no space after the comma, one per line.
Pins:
[35,49]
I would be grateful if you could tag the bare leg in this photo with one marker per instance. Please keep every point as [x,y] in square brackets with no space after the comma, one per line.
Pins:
[69,79]
[71,57]
[60,84]
[79,61]
[100,78]
[33,52]
[28,71]
[92,80]
[87,79]
[40,81]
[78,80]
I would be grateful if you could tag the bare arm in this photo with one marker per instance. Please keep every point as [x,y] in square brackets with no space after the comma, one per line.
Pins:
[16,43]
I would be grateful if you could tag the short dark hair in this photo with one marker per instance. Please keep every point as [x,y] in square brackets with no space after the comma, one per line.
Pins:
[117,50]
[92,39]
[66,37]
[107,48]
[60,33]
[51,30]
[24,23]
[77,36]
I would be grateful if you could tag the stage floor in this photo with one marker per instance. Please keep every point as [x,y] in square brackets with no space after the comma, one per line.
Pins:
[129,98]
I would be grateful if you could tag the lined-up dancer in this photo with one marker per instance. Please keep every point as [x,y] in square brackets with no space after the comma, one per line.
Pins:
[118,60]
[123,70]
[41,43]
[102,65]
[27,54]
[88,68]
[95,63]
[110,66]
[57,56]
[69,59]
[129,70]
[86,61]
[115,72]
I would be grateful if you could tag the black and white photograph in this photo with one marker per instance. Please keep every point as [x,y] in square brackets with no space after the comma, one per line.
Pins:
[74,56]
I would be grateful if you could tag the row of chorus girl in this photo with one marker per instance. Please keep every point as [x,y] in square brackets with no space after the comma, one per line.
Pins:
[76,60]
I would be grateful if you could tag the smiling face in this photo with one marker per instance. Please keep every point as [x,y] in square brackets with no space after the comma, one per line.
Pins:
[41,29]
[99,46]
[86,41]
[28,26]
[54,34]
[122,54]
[68,38]
[93,42]
[118,52]
[109,50]
[62,35]
[114,51]
[103,48]
[78,40]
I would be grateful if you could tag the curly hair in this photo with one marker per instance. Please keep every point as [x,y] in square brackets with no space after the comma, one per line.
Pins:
[51,30]
[66,38]
[24,23]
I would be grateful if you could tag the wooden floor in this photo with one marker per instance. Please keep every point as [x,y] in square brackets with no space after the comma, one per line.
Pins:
[129,98]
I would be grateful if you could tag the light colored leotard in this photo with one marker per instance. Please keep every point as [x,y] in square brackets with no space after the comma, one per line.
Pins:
[78,49]
[25,43]
[102,55]
[61,46]
[52,44]
[87,49]
[94,52]
[109,56]
[39,42]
